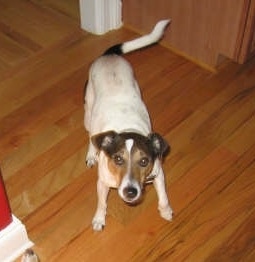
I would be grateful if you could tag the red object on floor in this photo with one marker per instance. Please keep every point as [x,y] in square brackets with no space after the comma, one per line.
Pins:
[5,210]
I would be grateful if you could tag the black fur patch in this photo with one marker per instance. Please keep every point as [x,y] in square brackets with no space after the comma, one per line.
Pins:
[114,50]
[111,142]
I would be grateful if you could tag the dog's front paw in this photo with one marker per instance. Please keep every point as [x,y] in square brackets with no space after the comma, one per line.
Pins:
[98,224]
[166,212]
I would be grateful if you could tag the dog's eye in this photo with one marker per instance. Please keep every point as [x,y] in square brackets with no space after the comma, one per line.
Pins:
[118,160]
[144,162]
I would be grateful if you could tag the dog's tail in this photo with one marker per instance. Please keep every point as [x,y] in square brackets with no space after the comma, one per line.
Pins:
[143,41]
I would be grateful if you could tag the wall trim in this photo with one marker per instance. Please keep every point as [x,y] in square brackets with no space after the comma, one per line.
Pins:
[13,241]
[100,16]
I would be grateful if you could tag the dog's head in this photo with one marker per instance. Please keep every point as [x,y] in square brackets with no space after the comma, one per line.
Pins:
[130,159]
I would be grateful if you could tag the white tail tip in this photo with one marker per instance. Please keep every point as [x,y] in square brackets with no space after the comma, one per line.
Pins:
[146,40]
[159,28]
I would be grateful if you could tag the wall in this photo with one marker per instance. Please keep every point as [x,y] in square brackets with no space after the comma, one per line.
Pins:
[201,30]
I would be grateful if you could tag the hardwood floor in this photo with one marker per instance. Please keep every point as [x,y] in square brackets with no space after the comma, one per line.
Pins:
[207,118]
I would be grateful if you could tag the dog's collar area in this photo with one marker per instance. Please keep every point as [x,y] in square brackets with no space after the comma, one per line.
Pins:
[149,179]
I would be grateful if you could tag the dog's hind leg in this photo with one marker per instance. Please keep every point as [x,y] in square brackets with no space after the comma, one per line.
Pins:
[88,104]
[98,221]
[91,157]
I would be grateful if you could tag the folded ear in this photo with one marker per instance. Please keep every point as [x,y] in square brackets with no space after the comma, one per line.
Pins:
[105,141]
[159,145]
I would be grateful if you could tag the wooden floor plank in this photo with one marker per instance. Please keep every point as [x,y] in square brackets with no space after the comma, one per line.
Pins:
[243,138]
[207,118]
[209,214]
[33,22]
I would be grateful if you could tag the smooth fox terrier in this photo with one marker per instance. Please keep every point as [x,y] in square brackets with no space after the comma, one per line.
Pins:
[121,141]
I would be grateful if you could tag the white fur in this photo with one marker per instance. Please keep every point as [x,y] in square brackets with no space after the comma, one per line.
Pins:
[146,40]
[113,102]
[127,180]
[29,256]
[113,99]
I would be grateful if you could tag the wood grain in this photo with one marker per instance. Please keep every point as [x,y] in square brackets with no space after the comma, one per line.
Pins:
[207,118]
[202,30]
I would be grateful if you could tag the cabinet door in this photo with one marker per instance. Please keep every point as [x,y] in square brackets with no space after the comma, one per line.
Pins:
[247,48]
[201,30]
[253,44]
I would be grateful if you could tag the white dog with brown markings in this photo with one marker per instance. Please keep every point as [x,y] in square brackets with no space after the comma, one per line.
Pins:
[128,153]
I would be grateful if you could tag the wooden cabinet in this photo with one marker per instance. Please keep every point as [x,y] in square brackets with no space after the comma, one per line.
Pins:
[247,45]
[201,30]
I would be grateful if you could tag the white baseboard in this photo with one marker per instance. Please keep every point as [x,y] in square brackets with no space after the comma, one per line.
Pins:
[13,241]
[100,16]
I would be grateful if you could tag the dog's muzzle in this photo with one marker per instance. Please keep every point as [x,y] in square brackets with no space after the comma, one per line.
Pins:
[130,191]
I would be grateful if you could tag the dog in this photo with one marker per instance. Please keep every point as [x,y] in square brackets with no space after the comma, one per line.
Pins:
[121,140]
[29,256]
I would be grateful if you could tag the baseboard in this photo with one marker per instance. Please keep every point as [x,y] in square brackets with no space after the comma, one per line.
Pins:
[13,241]
[100,16]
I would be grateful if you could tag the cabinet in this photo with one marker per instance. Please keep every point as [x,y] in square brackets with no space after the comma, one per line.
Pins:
[204,31]
[247,45]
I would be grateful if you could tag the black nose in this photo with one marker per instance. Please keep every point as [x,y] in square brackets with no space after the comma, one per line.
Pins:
[130,192]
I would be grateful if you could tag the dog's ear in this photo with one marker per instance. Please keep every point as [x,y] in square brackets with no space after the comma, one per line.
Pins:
[105,141]
[159,145]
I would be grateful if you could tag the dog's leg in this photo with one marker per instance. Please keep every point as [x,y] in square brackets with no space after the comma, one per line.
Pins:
[91,157]
[88,104]
[98,221]
[29,256]
[159,183]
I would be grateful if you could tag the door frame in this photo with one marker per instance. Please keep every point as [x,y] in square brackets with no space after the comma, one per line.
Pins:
[100,16]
